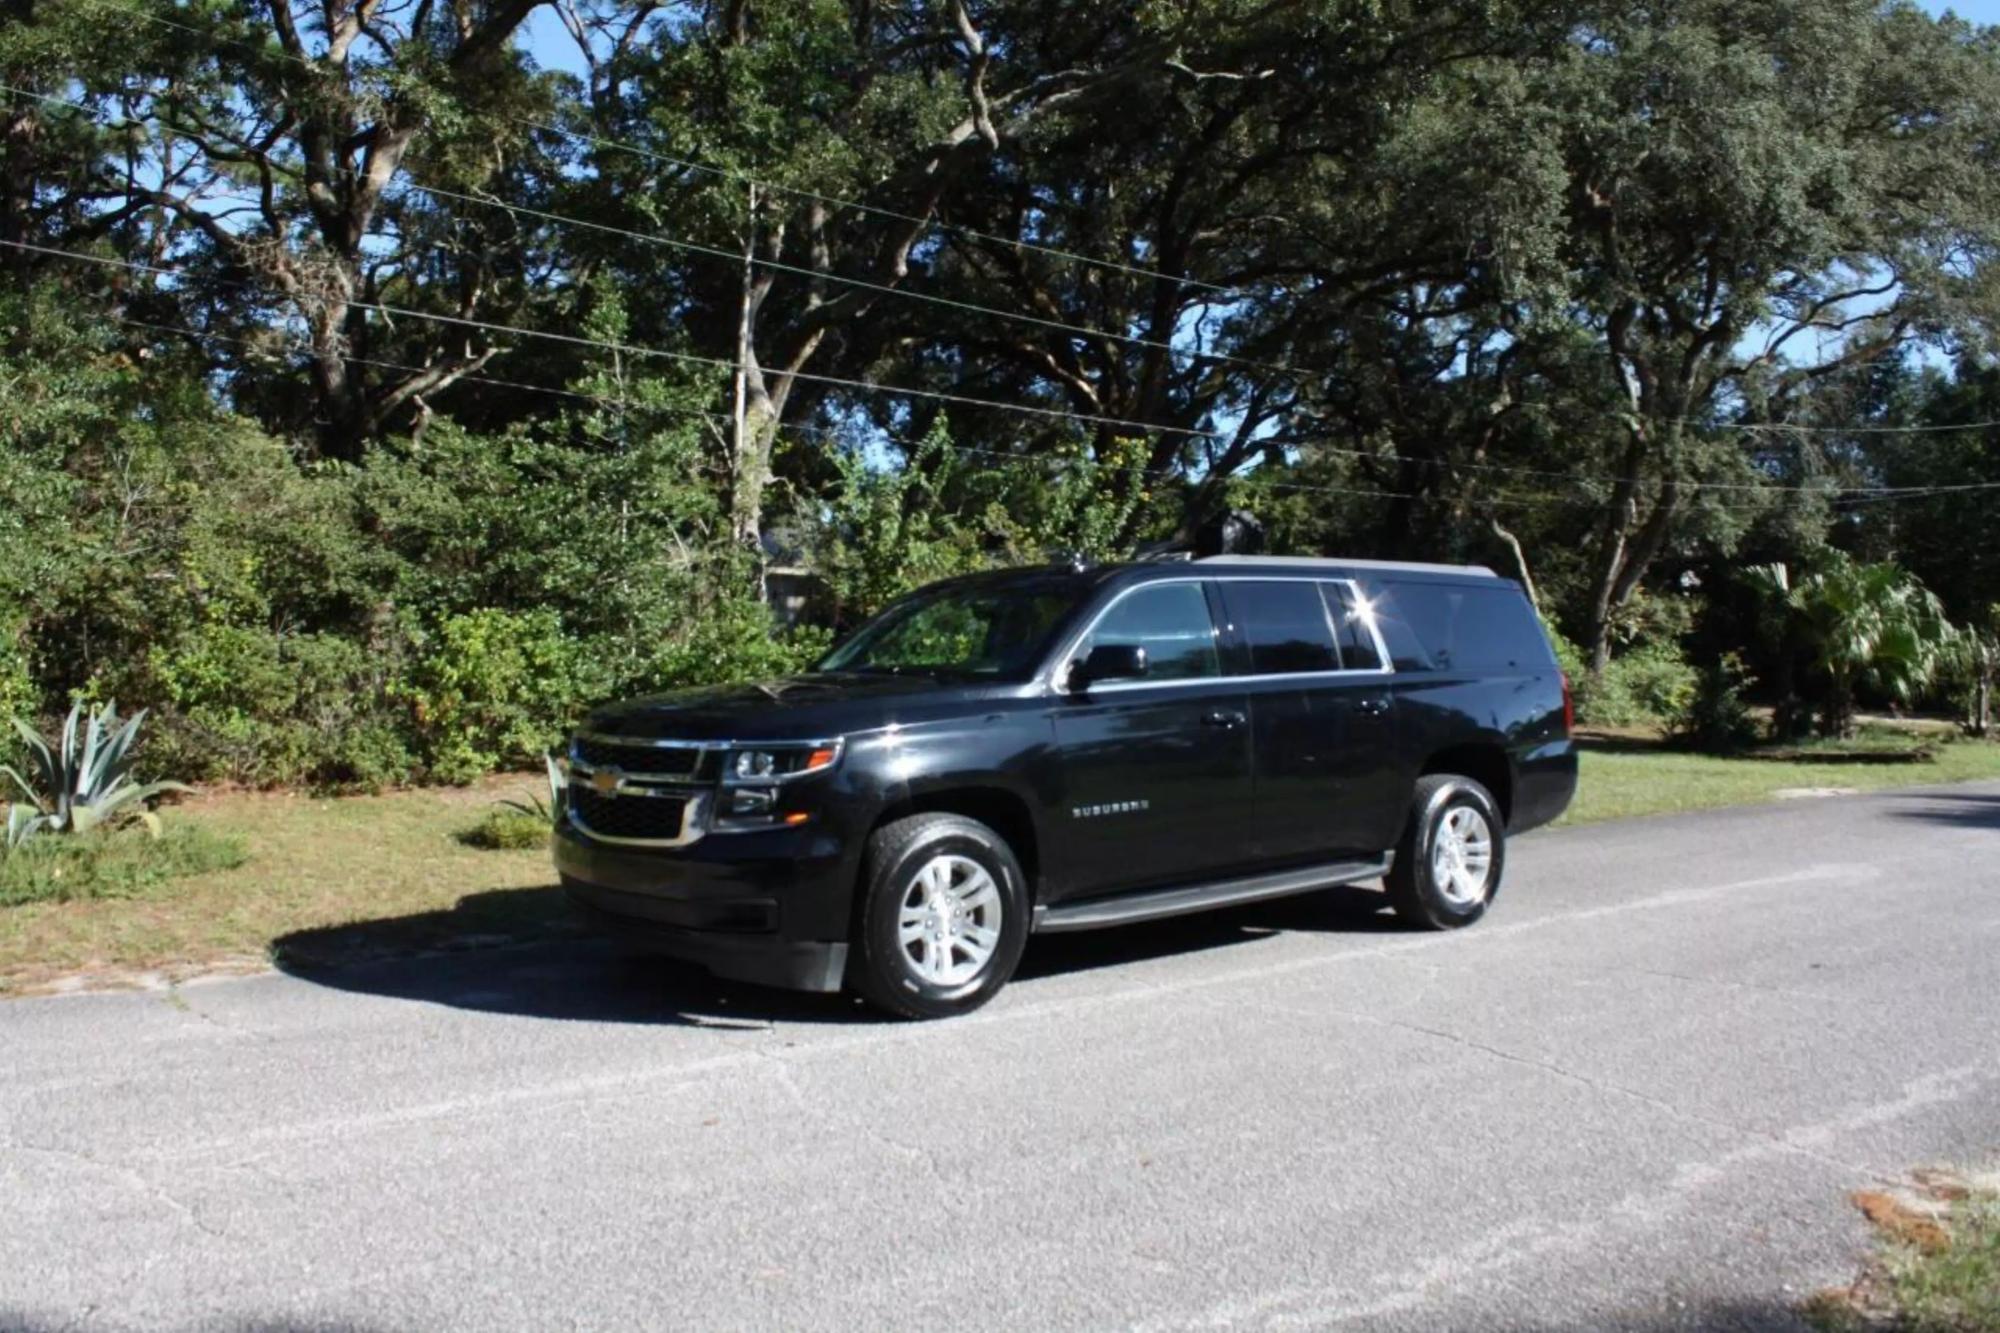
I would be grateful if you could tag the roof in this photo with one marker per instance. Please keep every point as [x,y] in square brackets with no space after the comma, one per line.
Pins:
[1314,562]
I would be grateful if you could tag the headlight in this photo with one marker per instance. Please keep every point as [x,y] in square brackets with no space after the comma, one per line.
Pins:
[777,763]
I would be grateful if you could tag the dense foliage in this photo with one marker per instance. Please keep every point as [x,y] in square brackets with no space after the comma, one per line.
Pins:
[395,411]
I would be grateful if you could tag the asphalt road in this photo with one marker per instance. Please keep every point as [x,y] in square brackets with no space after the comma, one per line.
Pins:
[1636,1096]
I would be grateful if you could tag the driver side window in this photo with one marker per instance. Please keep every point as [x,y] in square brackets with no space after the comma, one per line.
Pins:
[1171,622]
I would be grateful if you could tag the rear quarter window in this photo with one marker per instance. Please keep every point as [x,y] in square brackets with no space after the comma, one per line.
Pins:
[1460,627]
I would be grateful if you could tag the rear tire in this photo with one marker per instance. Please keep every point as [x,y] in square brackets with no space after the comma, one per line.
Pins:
[944,917]
[1453,850]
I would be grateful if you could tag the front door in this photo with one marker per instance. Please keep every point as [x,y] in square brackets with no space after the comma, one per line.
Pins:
[1155,772]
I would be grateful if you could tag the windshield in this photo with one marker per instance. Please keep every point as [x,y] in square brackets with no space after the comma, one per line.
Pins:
[996,631]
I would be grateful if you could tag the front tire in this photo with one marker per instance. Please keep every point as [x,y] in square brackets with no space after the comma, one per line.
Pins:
[944,917]
[1453,850]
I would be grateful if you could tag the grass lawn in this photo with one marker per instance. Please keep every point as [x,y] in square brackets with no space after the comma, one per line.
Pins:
[1635,778]
[327,879]
[336,879]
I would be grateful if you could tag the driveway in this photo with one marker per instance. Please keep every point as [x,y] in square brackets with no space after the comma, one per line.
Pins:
[1636,1096]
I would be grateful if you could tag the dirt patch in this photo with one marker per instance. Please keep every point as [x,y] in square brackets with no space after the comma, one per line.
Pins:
[1922,754]
[1938,1261]
[1907,1221]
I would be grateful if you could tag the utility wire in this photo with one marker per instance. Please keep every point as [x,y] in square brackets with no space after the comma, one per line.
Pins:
[1078,331]
[689,358]
[1005,456]
[720,363]
[728,173]
[690,414]
[761,183]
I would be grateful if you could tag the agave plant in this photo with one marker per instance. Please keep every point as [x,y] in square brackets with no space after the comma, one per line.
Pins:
[533,806]
[82,779]
[23,823]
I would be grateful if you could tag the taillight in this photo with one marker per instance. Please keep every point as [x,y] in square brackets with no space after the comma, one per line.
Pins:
[1569,707]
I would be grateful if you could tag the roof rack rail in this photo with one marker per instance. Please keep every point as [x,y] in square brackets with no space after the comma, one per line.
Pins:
[1339,562]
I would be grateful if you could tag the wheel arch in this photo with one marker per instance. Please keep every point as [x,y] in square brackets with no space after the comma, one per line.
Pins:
[1485,762]
[993,804]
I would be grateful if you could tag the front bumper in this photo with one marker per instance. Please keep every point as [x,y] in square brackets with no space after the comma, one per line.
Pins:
[766,907]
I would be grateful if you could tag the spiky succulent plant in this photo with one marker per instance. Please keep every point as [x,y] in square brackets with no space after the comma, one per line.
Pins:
[81,779]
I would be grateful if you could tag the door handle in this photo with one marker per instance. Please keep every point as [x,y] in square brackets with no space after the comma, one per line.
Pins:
[1371,707]
[1222,717]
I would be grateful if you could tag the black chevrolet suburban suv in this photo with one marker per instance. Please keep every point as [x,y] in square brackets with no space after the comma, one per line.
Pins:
[1067,748]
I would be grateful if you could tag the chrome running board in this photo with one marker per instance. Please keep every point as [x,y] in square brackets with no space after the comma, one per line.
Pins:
[1125,908]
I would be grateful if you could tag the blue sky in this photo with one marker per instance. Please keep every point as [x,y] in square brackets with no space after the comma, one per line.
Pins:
[1979,11]
[553,48]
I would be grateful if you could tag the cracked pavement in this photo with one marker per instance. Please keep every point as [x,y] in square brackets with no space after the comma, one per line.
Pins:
[1636,1096]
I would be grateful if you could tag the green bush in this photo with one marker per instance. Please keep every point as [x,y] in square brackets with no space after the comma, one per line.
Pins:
[1717,718]
[247,705]
[494,688]
[1653,684]
[507,831]
[121,863]
[735,639]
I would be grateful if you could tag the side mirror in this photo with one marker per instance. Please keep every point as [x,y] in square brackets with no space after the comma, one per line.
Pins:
[1108,661]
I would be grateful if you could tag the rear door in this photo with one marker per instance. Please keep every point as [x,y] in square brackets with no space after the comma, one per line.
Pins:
[1322,729]
[1155,772]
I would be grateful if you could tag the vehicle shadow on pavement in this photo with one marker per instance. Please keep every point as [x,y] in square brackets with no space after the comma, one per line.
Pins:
[521,951]
[1973,810]
[518,951]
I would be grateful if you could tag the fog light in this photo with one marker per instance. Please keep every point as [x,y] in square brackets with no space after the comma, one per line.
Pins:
[752,801]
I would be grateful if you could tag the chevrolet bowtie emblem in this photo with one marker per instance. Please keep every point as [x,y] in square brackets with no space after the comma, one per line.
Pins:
[606,782]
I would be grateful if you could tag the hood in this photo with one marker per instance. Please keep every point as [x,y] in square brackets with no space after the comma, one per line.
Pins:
[813,707]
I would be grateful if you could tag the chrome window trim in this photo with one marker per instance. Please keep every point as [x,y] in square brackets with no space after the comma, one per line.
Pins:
[1342,674]
[694,814]
[1058,672]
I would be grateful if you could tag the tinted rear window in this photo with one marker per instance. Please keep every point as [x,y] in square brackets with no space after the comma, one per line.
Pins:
[1285,625]
[1357,643]
[1460,627]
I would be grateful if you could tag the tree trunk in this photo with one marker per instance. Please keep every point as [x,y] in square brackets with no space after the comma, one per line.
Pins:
[1513,544]
[750,476]
[1837,713]
[1982,690]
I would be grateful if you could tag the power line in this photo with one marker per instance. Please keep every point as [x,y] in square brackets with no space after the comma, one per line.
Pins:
[719,363]
[748,179]
[731,174]
[1010,458]
[1081,331]
[690,358]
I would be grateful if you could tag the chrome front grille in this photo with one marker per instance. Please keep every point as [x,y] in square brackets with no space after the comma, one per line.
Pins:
[637,758]
[632,791]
